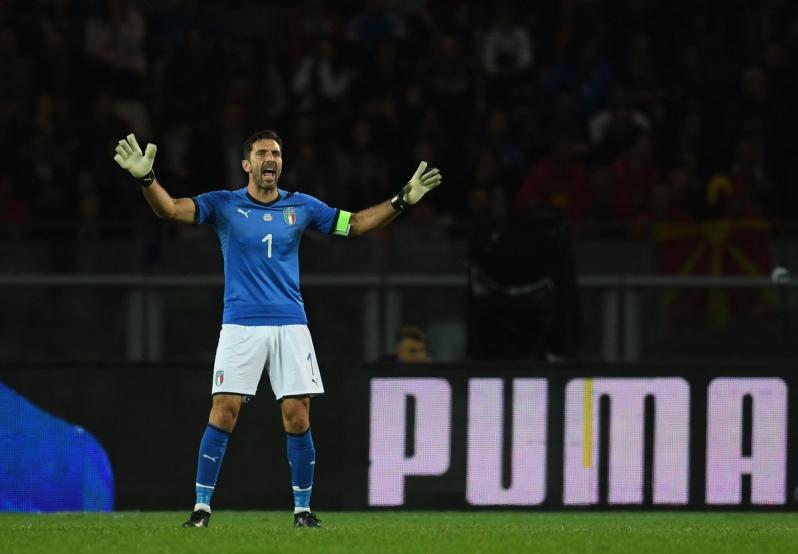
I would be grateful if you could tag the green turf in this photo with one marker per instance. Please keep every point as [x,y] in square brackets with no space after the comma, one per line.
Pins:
[422,532]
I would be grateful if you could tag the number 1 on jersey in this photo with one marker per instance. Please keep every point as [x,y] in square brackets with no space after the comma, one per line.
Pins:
[268,238]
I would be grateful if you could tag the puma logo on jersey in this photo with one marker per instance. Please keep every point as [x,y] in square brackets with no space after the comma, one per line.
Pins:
[245,213]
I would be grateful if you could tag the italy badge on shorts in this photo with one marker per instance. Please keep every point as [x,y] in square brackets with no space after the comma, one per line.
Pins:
[219,379]
[289,214]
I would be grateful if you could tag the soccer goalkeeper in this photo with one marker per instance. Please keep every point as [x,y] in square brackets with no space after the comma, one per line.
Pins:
[264,324]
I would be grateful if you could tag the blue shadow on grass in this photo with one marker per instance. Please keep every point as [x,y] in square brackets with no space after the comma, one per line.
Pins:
[48,464]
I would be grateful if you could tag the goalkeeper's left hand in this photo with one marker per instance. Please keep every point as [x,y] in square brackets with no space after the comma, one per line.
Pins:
[421,183]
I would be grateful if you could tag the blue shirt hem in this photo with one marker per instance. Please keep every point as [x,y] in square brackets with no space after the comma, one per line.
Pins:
[264,320]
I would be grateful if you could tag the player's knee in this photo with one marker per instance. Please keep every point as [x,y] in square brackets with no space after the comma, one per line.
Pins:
[296,422]
[225,419]
[224,416]
[296,414]
[297,427]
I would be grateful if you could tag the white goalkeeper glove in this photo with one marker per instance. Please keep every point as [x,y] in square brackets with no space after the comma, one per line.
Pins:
[138,164]
[419,184]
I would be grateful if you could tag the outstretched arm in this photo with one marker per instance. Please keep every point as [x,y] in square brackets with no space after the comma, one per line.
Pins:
[371,219]
[130,157]
[177,209]
[377,217]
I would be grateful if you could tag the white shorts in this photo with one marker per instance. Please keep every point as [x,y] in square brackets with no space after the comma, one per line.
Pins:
[284,351]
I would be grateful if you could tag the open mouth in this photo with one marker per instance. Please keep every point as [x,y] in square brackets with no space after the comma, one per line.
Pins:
[268,172]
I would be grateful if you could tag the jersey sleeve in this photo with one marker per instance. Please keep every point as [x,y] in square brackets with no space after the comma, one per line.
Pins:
[326,219]
[208,205]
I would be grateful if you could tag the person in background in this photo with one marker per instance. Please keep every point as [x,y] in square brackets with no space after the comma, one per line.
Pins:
[411,346]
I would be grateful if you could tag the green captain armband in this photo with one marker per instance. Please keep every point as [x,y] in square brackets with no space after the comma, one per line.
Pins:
[342,225]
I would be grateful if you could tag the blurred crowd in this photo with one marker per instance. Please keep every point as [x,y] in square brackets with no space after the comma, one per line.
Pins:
[618,113]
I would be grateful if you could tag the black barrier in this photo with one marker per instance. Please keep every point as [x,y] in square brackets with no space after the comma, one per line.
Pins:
[150,418]
[455,436]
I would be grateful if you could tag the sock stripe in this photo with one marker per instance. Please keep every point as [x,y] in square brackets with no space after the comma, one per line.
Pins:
[302,434]
[204,486]
[302,489]
[218,429]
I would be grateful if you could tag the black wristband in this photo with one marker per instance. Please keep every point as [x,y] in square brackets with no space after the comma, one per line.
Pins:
[147,179]
[398,202]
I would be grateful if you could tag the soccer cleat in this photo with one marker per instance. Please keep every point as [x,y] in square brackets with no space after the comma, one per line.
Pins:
[199,518]
[306,519]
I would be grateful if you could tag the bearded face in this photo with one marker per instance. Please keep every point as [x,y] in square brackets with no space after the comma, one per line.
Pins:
[266,164]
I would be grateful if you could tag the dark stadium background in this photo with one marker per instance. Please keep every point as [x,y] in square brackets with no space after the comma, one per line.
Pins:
[636,157]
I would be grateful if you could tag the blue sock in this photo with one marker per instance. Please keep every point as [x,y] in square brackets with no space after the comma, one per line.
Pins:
[302,458]
[211,454]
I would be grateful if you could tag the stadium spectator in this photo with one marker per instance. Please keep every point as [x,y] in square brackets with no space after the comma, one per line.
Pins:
[114,40]
[407,73]
[694,79]
[410,347]
[612,128]
[558,181]
[487,195]
[632,175]
[642,77]
[307,172]
[748,183]
[687,198]
[358,167]
[507,55]
[503,145]
[451,83]
[321,81]
[459,19]
[589,77]
[377,94]
[562,118]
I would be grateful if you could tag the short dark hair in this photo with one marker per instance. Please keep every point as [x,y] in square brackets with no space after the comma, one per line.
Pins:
[246,148]
[411,332]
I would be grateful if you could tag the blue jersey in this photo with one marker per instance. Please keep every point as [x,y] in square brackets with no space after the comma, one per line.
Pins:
[260,246]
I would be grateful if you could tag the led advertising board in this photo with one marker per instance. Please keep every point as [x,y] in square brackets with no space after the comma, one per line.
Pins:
[564,439]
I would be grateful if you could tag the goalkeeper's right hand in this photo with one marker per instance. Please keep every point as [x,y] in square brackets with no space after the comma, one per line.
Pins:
[130,157]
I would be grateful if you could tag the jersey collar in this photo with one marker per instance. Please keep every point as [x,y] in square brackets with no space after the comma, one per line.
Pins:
[280,196]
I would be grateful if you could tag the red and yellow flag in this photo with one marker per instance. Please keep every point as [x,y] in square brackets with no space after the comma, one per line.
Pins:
[717,247]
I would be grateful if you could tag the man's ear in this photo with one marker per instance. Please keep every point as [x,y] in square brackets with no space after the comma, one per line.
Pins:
[246,165]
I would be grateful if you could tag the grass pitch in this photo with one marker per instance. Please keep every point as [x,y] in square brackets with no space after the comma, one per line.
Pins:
[405,532]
